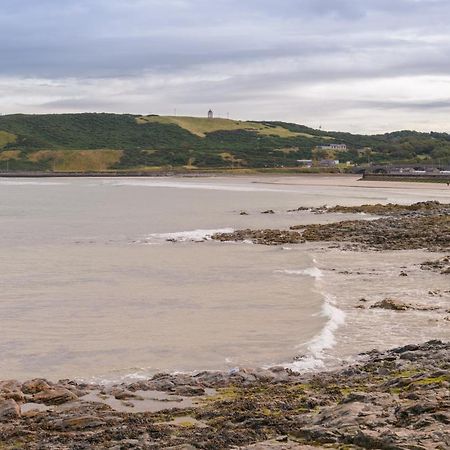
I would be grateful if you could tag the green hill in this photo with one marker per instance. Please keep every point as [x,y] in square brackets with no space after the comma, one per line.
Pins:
[81,142]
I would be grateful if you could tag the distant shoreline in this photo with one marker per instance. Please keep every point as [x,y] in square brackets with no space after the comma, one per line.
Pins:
[167,173]
[232,173]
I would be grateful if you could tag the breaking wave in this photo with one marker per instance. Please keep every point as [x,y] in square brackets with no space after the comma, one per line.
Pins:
[314,272]
[315,355]
[186,236]
[316,348]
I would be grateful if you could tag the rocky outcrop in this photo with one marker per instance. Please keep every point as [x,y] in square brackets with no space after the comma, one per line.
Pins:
[266,237]
[56,396]
[391,304]
[397,399]
[397,305]
[441,265]
[429,232]
[421,226]
[390,209]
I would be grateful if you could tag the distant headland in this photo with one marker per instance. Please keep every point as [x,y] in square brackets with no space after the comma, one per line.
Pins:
[103,142]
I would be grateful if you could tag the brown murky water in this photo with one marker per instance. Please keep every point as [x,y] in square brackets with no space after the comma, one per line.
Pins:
[90,287]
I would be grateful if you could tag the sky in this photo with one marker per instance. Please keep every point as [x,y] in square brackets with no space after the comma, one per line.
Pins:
[366,66]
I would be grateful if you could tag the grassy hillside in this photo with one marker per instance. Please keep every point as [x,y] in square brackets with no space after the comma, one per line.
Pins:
[202,126]
[6,138]
[80,142]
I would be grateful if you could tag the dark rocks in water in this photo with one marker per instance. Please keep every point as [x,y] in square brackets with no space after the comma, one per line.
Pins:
[391,209]
[423,225]
[243,213]
[403,274]
[441,265]
[123,394]
[300,208]
[397,305]
[428,232]
[269,211]
[390,303]
[266,237]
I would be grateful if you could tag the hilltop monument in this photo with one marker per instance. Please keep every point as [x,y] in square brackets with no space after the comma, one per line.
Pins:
[210,114]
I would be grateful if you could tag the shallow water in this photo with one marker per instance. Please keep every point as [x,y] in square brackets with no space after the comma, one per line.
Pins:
[89,286]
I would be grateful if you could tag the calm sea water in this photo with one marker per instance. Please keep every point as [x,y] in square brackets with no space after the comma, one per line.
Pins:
[90,287]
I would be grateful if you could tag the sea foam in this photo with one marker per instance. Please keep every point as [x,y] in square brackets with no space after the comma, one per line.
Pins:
[186,236]
[314,272]
[316,348]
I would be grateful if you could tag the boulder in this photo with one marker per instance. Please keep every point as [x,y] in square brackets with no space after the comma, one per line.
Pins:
[391,304]
[54,396]
[124,394]
[189,391]
[35,386]
[9,410]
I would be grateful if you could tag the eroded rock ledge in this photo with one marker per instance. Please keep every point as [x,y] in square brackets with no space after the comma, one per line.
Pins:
[423,225]
[398,399]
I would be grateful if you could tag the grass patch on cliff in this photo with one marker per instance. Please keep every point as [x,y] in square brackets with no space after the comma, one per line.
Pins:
[201,126]
[78,160]
[6,138]
[7,155]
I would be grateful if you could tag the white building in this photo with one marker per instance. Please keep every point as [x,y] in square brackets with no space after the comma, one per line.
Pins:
[336,147]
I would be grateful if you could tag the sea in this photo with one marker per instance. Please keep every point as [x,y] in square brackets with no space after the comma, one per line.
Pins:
[115,279]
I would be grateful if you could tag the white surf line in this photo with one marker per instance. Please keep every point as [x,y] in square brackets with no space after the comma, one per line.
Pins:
[198,235]
[325,340]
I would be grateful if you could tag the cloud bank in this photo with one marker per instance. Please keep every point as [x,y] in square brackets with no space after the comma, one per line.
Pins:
[366,65]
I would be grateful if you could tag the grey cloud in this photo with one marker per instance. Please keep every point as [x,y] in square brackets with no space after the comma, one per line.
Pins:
[404,105]
[217,52]
[99,38]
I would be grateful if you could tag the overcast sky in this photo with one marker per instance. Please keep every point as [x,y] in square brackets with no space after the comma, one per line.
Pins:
[351,65]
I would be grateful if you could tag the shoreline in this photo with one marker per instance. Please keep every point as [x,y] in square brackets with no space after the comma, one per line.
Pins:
[201,173]
[175,172]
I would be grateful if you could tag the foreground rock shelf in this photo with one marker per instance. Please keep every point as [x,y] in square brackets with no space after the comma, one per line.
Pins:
[398,399]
